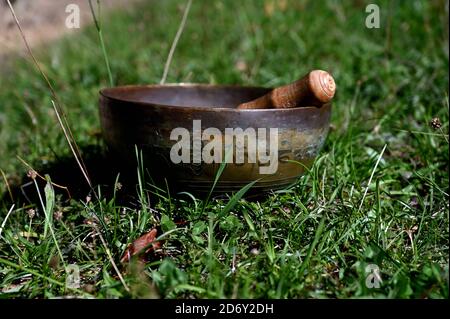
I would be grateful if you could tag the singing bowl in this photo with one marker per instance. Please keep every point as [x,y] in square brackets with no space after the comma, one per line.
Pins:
[144,117]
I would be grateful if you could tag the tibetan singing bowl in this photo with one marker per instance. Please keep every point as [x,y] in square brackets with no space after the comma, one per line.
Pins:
[185,132]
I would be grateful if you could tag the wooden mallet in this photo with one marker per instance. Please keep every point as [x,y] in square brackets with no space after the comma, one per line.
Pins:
[314,89]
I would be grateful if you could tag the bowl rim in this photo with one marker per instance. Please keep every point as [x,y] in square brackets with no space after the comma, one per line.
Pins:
[106,93]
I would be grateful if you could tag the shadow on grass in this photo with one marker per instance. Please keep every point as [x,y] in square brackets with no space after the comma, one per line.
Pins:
[103,169]
[109,176]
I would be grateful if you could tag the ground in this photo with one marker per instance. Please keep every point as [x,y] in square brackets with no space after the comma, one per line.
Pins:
[375,198]
[42,21]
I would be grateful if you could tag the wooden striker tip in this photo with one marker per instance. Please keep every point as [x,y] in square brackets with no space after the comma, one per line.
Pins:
[322,85]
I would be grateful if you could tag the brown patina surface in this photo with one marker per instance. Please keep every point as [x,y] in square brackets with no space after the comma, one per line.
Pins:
[146,115]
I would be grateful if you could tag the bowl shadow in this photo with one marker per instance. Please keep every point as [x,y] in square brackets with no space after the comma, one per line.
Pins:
[107,172]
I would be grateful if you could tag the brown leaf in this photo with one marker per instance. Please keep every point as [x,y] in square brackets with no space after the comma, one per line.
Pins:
[145,242]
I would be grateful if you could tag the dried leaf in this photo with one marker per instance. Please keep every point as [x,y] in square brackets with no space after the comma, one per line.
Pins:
[145,242]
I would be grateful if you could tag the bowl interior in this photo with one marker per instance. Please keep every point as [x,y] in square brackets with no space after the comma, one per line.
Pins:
[211,96]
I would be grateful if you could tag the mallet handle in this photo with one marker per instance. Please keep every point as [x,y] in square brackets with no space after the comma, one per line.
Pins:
[314,89]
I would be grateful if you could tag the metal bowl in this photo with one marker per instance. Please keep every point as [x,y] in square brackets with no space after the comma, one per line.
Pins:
[145,116]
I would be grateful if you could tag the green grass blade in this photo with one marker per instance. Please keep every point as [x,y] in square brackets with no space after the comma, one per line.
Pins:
[236,197]
[307,259]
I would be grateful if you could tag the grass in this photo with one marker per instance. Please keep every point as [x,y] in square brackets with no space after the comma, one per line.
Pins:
[377,194]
